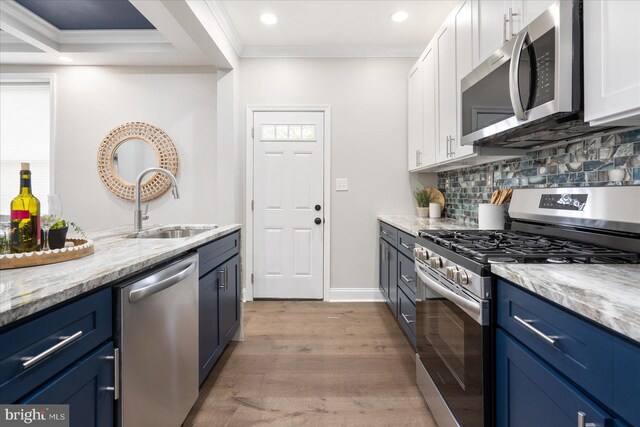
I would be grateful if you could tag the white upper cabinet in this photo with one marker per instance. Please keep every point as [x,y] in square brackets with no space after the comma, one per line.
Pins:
[495,22]
[415,126]
[464,65]
[446,90]
[526,11]
[429,107]
[490,28]
[612,62]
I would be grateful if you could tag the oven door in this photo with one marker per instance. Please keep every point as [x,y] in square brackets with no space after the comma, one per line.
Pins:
[454,345]
[525,82]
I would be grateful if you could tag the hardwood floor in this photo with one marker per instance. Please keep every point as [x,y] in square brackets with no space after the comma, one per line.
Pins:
[317,364]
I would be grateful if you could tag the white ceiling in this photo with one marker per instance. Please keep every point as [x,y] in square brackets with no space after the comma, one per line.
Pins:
[334,28]
[186,30]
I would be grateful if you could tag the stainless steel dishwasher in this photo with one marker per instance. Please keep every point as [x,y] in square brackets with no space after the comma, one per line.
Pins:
[158,339]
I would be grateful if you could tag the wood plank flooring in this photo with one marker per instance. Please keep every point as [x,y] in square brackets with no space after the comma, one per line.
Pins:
[314,364]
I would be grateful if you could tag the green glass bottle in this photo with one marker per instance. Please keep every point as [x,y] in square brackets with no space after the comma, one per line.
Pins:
[25,216]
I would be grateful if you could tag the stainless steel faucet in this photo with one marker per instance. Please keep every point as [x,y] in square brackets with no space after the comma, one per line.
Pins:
[138,217]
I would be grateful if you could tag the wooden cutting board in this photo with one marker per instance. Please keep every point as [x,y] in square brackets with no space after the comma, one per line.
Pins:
[437,196]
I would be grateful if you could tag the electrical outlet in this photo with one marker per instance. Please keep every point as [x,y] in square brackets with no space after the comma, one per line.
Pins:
[342,184]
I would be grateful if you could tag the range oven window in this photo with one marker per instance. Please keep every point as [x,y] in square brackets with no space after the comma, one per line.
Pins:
[454,349]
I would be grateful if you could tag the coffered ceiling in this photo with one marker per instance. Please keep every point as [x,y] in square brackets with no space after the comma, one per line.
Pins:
[182,32]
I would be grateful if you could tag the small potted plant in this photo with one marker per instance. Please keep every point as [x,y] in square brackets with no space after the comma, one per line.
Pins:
[58,233]
[423,198]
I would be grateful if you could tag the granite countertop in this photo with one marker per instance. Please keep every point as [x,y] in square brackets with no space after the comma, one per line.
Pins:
[412,224]
[25,291]
[605,293]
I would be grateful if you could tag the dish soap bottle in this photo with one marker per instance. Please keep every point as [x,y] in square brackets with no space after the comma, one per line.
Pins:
[25,216]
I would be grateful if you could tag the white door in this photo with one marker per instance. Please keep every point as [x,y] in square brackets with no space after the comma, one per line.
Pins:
[288,204]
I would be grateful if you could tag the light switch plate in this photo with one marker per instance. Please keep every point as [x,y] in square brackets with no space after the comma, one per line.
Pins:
[342,184]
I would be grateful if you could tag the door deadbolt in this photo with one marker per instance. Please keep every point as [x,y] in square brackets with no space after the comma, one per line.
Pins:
[318,221]
[318,207]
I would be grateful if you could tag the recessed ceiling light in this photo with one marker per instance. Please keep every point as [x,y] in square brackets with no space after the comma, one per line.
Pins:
[65,59]
[268,18]
[400,16]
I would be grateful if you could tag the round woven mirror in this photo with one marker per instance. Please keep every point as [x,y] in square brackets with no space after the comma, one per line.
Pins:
[129,149]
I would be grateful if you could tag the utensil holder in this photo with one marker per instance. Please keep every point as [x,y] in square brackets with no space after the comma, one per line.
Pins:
[490,216]
[435,210]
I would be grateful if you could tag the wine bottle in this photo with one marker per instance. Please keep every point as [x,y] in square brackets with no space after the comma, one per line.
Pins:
[25,216]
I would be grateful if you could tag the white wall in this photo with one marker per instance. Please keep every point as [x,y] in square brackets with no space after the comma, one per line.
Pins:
[90,101]
[368,98]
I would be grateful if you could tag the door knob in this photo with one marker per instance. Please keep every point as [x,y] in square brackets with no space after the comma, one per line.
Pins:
[318,207]
[317,221]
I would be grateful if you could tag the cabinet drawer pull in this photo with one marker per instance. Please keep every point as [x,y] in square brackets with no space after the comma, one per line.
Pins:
[582,420]
[404,245]
[406,279]
[30,361]
[406,319]
[385,233]
[527,325]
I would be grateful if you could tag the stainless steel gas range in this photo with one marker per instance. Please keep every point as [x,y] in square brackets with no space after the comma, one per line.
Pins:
[454,312]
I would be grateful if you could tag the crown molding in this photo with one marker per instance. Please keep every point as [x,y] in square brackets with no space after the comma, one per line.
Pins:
[331,52]
[15,11]
[222,17]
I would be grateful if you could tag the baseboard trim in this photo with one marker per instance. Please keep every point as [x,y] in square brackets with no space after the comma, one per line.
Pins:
[355,295]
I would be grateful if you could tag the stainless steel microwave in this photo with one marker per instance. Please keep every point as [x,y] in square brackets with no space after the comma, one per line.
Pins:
[529,92]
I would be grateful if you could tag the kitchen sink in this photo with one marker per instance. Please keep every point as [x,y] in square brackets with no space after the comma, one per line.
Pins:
[170,233]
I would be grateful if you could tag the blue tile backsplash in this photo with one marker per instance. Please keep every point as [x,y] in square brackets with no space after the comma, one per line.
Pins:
[607,160]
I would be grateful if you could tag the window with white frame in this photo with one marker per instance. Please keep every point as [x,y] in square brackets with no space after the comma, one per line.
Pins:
[25,136]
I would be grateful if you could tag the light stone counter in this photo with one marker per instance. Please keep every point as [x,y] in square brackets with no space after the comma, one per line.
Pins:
[607,294]
[412,224]
[26,291]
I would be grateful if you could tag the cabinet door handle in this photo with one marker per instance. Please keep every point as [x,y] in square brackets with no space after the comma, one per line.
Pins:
[504,28]
[582,420]
[226,278]
[30,361]
[116,374]
[406,319]
[406,279]
[510,19]
[538,332]
[221,275]
[451,141]
[404,245]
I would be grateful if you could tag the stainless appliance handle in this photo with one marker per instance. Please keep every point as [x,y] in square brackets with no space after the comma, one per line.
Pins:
[538,332]
[30,361]
[473,308]
[164,279]
[514,77]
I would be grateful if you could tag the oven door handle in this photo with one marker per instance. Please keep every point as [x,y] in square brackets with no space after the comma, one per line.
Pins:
[472,308]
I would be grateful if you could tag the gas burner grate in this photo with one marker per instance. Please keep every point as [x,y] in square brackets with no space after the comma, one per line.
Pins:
[488,246]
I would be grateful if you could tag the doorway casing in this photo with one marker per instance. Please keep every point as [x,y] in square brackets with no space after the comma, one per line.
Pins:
[249,165]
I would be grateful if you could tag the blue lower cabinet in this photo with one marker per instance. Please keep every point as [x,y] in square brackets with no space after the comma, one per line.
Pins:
[407,315]
[208,322]
[86,386]
[626,381]
[229,300]
[529,393]
[218,301]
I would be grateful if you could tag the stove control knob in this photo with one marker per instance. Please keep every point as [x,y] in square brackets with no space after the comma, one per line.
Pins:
[451,273]
[435,262]
[462,278]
